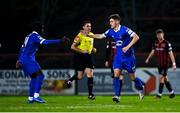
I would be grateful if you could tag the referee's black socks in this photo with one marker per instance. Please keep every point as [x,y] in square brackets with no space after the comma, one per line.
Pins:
[90,85]
[168,85]
[161,85]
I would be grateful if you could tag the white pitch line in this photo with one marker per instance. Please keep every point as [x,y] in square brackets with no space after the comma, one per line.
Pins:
[98,106]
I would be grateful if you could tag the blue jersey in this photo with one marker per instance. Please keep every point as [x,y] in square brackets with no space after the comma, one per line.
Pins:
[31,45]
[28,51]
[122,38]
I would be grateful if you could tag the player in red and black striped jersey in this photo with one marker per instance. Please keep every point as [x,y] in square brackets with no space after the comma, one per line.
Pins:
[163,50]
[110,52]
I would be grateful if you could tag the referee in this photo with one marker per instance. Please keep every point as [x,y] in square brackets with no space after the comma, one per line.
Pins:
[163,50]
[83,46]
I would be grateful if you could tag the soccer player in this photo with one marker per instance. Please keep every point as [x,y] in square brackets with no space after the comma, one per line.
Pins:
[110,52]
[162,48]
[124,58]
[28,63]
[83,46]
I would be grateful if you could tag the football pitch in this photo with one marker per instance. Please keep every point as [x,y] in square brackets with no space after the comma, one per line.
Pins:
[82,104]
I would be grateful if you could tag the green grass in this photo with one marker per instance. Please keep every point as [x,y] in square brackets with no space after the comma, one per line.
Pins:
[81,103]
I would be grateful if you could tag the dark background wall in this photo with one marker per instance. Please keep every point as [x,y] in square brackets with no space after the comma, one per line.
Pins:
[63,18]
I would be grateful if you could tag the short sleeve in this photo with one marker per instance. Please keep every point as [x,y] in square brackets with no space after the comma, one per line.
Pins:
[77,39]
[38,39]
[153,46]
[169,46]
[129,32]
[107,33]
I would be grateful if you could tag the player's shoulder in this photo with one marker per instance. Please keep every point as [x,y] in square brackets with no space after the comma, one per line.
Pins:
[91,33]
[166,41]
[108,30]
[155,43]
[34,33]
[125,28]
[79,35]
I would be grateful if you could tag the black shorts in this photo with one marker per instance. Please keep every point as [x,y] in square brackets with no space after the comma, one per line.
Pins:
[163,70]
[83,61]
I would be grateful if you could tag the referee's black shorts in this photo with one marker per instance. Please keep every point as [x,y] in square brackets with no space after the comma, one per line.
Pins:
[83,61]
[163,70]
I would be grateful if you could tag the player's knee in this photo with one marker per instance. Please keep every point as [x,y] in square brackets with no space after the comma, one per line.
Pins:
[121,77]
[79,77]
[162,79]
[132,78]
[165,78]
[116,75]
[89,73]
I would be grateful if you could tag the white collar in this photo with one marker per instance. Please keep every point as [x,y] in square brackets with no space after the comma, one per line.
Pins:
[118,28]
[35,32]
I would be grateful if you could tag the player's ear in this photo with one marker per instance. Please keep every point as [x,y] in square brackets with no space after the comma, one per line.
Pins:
[118,21]
[83,26]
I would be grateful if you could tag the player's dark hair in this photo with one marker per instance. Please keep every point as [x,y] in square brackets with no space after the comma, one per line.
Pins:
[84,23]
[159,31]
[36,26]
[115,17]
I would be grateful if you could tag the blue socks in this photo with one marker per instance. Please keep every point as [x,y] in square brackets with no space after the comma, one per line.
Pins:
[35,85]
[39,82]
[116,86]
[32,87]
[138,83]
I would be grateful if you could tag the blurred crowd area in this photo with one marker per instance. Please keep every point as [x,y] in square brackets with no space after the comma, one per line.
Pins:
[63,17]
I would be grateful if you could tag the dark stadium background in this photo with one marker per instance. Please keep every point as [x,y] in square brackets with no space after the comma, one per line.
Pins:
[63,18]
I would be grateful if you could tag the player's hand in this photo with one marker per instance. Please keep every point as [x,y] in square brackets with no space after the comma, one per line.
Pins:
[18,64]
[94,50]
[106,64]
[65,39]
[125,49]
[147,61]
[174,66]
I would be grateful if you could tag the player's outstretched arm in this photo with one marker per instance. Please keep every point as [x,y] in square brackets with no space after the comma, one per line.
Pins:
[172,59]
[149,56]
[46,42]
[133,41]
[97,36]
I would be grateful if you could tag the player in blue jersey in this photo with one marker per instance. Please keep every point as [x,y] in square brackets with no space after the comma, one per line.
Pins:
[28,63]
[124,58]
